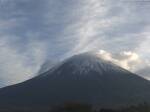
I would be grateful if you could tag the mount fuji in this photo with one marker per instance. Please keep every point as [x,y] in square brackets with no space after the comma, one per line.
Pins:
[83,78]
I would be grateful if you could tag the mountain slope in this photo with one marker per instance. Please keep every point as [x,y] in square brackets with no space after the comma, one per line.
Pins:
[82,78]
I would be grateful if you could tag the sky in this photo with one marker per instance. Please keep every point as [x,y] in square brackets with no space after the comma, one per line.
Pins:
[34,31]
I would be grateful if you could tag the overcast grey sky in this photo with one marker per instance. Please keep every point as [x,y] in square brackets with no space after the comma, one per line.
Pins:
[32,31]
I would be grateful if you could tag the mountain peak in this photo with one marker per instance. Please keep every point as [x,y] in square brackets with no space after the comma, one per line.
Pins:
[86,62]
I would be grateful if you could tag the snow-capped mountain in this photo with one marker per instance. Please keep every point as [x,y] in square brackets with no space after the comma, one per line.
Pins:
[83,78]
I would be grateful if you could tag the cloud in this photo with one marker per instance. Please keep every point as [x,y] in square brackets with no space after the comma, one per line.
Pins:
[128,60]
[101,24]
[18,66]
[32,32]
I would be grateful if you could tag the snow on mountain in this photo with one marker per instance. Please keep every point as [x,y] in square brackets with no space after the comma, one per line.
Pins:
[83,64]
[86,62]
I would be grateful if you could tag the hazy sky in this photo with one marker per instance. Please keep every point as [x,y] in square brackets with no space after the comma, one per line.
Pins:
[32,31]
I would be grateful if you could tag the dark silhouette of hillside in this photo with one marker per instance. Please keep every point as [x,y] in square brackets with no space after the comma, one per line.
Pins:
[77,107]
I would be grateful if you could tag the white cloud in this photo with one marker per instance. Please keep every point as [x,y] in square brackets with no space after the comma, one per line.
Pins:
[103,24]
[69,28]
[129,60]
[18,66]
[126,59]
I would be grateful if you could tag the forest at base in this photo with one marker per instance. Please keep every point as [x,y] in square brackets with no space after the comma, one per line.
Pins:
[76,107]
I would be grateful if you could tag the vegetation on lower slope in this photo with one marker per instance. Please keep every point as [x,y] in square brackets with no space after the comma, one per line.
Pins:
[76,107]
[87,108]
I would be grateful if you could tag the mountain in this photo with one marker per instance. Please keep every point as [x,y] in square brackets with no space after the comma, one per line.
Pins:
[83,78]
